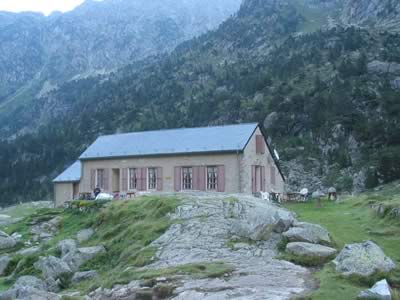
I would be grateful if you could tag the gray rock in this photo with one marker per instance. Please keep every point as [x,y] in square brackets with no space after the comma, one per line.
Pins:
[4,262]
[309,233]
[310,250]
[396,83]
[363,259]
[30,281]
[52,267]
[383,67]
[259,225]
[380,291]
[29,293]
[29,251]
[84,235]
[6,242]
[81,276]
[82,255]
[67,246]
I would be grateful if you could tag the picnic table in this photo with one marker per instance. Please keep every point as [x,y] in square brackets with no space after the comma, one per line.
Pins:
[294,197]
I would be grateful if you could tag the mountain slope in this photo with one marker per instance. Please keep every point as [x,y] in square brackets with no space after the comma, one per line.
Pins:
[327,98]
[40,53]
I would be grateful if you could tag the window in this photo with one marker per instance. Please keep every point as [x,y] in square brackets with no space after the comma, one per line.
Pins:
[100,178]
[152,176]
[212,178]
[187,178]
[133,180]
[273,176]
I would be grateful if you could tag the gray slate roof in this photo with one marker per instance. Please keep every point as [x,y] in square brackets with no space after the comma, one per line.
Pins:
[230,138]
[72,174]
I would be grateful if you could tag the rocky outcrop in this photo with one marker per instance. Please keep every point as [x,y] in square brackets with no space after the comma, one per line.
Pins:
[84,235]
[259,225]
[363,259]
[380,291]
[29,288]
[6,241]
[29,251]
[309,233]
[67,246]
[82,255]
[52,267]
[44,231]
[310,250]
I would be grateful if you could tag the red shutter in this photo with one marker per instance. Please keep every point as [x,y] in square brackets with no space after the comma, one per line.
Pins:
[273,181]
[159,179]
[263,179]
[196,178]
[124,179]
[177,179]
[92,179]
[143,179]
[106,183]
[221,179]
[260,144]
[202,179]
[253,179]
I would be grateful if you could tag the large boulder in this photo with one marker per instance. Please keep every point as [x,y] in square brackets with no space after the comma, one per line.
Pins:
[4,262]
[310,250]
[363,259]
[259,225]
[29,288]
[52,267]
[380,291]
[82,255]
[84,235]
[28,293]
[81,276]
[6,242]
[308,233]
[67,246]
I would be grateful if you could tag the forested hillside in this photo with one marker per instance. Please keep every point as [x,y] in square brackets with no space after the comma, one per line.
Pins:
[327,93]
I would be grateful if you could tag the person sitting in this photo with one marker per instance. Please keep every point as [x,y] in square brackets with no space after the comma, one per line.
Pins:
[96,192]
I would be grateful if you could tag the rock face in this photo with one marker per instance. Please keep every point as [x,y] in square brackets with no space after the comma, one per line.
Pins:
[6,242]
[310,250]
[383,67]
[29,251]
[4,262]
[84,235]
[380,291]
[363,259]
[309,233]
[52,267]
[207,224]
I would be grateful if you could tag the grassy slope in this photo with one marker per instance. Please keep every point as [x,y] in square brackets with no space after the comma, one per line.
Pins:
[125,229]
[352,221]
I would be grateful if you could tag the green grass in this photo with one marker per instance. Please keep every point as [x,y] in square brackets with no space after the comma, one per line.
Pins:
[125,228]
[20,210]
[350,221]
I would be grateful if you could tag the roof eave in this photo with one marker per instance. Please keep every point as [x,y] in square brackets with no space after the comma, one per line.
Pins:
[160,155]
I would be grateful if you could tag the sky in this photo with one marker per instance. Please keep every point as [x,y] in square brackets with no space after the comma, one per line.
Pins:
[44,6]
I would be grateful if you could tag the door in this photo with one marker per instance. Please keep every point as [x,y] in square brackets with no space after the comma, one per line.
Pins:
[257,179]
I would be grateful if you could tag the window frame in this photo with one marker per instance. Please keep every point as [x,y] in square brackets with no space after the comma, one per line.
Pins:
[215,183]
[185,184]
[134,170]
[151,185]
